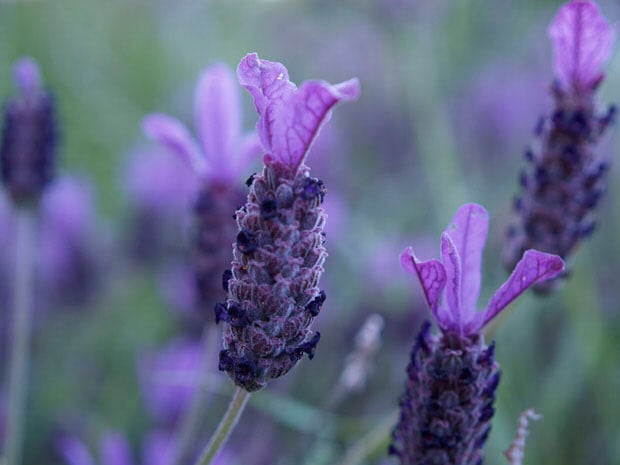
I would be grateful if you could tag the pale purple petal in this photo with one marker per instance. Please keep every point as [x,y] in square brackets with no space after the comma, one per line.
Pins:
[158,448]
[268,83]
[27,76]
[468,231]
[173,135]
[218,116]
[115,450]
[73,451]
[533,268]
[582,42]
[452,264]
[289,119]
[431,273]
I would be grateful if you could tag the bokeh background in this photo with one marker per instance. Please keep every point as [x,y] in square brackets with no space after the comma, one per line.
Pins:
[451,91]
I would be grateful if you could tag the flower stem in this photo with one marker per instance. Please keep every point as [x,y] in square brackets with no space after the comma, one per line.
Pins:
[21,328]
[227,423]
[191,420]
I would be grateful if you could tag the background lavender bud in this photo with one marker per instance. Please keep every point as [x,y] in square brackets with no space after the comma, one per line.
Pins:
[281,297]
[448,402]
[29,136]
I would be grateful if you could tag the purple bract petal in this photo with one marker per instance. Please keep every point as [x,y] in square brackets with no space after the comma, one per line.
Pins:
[73,451]
[115,450]
[582,42]
[452,264]
[218,116]
[172,134]
[289,118]
[533,268]
[468,231]
[27,76]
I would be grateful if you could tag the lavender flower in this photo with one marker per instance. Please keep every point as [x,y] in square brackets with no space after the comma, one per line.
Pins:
[566,178]
[29,139]
[218,162]
[278,255]
[452,377]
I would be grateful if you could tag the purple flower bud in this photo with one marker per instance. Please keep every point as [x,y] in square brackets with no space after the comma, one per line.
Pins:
[29,136]
[273,294]
[563,183]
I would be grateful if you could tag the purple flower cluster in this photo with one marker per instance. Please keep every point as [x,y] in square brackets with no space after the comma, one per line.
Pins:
[29,136]
[273,293]
[565,179]
[452,377]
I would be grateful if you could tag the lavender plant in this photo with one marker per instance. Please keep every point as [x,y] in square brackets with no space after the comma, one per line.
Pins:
[452,377]
[219,160]
[565,179]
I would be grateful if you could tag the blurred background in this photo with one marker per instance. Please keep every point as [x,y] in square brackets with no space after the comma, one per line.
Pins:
[451,92]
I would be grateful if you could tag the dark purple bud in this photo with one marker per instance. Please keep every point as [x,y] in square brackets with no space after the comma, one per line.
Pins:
[236,316]
[245,370]
[250,180]
[308,347]
[246,242]
[313,188]
[227,276]
[268,209]
[226,362]
[220,312]
[316,305]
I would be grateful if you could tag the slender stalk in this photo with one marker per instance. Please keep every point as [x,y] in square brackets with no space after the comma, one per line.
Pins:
[227,423]
[188,425]
[376,438]
[23,298]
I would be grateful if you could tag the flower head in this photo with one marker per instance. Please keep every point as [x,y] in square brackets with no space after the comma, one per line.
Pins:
[221,152]
[457,275]
[273,293]
[582,42]
[29,138]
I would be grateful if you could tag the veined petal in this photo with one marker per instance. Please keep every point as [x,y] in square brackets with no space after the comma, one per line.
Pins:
[268,83]
[468,230]
[115,450]
[289,118]
[218,115]
[582,42]
[73,451]
[431,273]
[533,268]
[452,264]
[173,135]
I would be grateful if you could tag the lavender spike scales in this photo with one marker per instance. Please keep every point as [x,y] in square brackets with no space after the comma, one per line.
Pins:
[273,292]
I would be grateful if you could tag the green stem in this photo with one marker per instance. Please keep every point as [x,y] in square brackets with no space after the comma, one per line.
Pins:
[227,423]
[21,328]
[191,420]
[376,438]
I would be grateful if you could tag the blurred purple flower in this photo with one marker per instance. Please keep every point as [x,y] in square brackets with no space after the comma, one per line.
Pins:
[459,271]
[71,244]
[29,138]
[273,293]
[582,42]
[170,378]
[219,160]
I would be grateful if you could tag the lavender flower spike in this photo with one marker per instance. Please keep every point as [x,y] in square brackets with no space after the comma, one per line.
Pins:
[29,139]
[566,178]
[448,403]
[220,159]
[273,293]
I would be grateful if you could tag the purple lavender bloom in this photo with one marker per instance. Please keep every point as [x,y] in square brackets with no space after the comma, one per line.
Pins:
[70,244]
[29,139]
[169,379]
[219,160]
[448,403]
[278,255]
[565,179]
